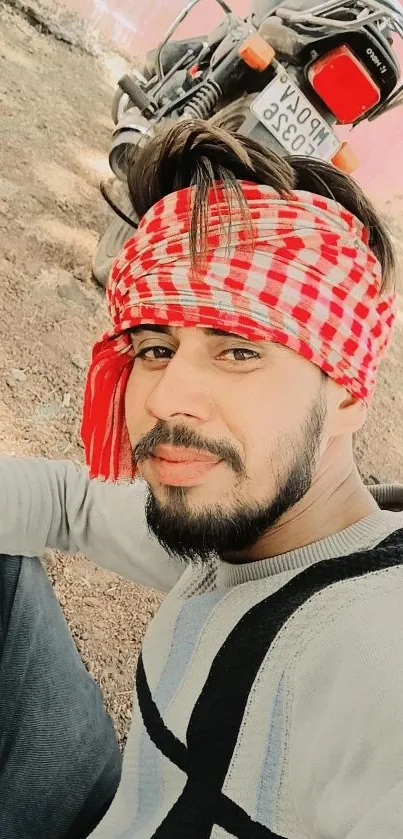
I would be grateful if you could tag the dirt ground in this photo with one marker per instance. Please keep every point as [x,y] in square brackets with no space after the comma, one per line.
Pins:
[54,136]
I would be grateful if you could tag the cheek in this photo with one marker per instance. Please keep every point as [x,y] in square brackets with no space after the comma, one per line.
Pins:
[134,407]
[250,415]
[265,412]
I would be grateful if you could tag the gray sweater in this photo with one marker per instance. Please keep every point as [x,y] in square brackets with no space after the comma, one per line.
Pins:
[319,753]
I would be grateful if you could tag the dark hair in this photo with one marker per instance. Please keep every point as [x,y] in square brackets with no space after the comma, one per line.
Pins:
[196,153]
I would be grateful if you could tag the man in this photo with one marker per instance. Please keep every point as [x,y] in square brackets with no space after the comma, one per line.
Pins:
[249,314]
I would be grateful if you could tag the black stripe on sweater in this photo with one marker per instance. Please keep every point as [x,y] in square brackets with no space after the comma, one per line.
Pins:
[217,715]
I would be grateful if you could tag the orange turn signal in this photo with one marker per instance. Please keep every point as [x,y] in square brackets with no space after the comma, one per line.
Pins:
[346,159]
[256,53]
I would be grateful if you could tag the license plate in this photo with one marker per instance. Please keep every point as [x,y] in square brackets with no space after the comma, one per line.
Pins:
[291,118]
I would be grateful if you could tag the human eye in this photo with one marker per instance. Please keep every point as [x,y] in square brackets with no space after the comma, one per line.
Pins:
[240,354]
[155,353]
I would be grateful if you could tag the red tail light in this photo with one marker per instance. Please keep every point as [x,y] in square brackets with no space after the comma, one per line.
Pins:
[344,84]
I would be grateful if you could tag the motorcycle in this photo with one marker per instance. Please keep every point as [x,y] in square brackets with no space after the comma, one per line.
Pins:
[286,75]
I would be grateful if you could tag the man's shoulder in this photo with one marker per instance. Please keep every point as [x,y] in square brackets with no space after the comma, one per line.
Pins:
[349,637]
[345,692]
[365,594]
[348,620]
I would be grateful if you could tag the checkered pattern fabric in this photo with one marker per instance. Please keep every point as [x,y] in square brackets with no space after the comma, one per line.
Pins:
[302,274]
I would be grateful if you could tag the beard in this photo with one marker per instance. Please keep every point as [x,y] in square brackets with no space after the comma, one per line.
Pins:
[196,536]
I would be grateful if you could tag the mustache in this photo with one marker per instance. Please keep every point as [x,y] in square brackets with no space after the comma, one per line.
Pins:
[180,435]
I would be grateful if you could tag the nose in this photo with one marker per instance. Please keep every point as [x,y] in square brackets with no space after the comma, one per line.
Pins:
[181,391]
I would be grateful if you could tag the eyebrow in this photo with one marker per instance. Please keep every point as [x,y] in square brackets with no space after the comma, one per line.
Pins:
[167,330]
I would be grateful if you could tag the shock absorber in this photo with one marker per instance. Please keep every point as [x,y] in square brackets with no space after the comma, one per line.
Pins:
[204,101]
[252,54]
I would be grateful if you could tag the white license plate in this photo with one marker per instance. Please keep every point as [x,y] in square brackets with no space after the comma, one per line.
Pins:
[291,118]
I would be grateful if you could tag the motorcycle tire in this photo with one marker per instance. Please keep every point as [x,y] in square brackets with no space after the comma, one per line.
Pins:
[109,245]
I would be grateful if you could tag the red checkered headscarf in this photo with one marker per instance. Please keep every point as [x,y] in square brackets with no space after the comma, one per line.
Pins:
[309,281]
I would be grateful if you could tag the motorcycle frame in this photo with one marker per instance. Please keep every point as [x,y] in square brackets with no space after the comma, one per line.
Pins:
[375,11]
[174,25]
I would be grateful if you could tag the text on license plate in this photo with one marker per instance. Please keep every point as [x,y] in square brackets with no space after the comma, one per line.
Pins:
[291,118]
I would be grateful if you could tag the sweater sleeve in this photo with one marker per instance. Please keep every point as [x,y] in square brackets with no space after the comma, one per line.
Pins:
[54,504]
[346,741]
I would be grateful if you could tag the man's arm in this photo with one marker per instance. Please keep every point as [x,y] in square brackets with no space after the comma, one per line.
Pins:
[53,504]
[346,743]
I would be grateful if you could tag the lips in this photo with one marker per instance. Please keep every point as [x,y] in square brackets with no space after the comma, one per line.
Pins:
[178,454]
[178,466]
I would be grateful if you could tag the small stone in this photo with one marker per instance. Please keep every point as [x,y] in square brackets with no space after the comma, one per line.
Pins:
[53,277]
[78,362]
[47,409]
[66,400]
[18,374]
[80,272]
[8,189]
[74,293]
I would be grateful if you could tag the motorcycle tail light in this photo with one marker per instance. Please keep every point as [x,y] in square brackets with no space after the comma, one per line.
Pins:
[344,84]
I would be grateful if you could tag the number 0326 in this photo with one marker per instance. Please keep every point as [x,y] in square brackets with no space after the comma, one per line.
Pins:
[291,118]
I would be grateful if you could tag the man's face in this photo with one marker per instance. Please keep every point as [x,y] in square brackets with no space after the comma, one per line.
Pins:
[226,433]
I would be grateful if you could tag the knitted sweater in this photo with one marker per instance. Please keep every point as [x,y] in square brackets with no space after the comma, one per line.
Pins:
[269,695]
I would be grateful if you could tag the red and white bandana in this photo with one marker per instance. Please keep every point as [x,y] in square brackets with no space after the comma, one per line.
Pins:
[310,282]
